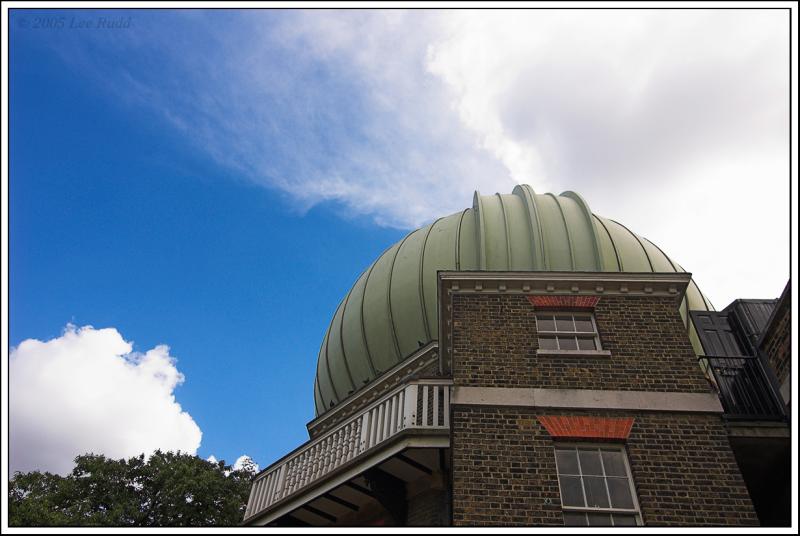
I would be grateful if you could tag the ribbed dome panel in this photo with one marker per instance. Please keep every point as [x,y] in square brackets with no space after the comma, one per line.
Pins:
[391,310]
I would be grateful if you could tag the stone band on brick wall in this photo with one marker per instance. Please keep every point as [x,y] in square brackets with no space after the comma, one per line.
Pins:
[587,399]
[586,427]
[562,301]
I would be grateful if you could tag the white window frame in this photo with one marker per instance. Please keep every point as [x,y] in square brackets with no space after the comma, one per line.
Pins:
[574,334]
[635,511]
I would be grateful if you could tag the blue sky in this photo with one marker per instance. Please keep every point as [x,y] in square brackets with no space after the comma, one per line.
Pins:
[118,220]
[216,181]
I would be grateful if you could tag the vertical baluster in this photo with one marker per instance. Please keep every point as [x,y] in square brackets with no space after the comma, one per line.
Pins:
[400,405]
[324,457]
[337,449]
[387,417]
[363,443]
[352,430]
[336,457]
[333,460]
[435,405]
[302,468]
[395,411]
[268,487]
[262,496]
[346,432]
[288,477]
[254,504]
[295,475]
[371,428]
[355,436]
[299,469]
[378,425]
[329,452]
[381,421]
[410,407]
[356,439]
[393,415]
[387,410]
[425,405]
[268,484]
[446,409]
[286,481]
[281,482]
[333,455]
[346,435]
[373,417]
[250,499]
[319,460]
[311,463]
[262,492]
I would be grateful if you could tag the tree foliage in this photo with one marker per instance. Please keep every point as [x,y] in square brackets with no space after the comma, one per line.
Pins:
[166,490]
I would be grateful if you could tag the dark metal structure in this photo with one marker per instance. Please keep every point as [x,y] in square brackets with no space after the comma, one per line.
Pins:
[733,362]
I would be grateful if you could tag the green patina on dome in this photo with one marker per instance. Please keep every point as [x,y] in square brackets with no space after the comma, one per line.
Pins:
[391,310]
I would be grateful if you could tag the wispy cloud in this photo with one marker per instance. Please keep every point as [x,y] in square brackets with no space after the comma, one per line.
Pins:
[673,122]
[670,121]
[86,391]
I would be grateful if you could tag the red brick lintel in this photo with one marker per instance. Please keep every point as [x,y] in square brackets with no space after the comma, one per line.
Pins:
[583,427]
[564,301]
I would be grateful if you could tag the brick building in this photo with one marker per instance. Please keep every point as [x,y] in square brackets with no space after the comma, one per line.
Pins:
[526,362]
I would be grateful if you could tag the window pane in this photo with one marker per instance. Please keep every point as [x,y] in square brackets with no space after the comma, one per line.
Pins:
[571,494]
[622,520]
[620,493]
[599,520]
[545,323]
[567,462]
[567,343]
[574,519]
[547,343]
[590,462]
[584,324]
[564,323]
[613,463]
[587,344]
[596,496]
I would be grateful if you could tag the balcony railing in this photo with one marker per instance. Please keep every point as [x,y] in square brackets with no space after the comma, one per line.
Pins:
[424,404]
[743,388]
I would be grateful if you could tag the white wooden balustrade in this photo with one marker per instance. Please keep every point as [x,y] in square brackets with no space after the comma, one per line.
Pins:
[424,404]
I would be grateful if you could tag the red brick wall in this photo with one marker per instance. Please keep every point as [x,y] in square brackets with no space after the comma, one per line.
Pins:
[777,342]
[495,343]
[504,470]
[503,460]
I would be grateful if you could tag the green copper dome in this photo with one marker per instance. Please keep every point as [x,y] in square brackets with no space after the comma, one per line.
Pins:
[391,310]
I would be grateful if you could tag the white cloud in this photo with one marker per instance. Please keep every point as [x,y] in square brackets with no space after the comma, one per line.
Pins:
[673,122]
[86,391]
